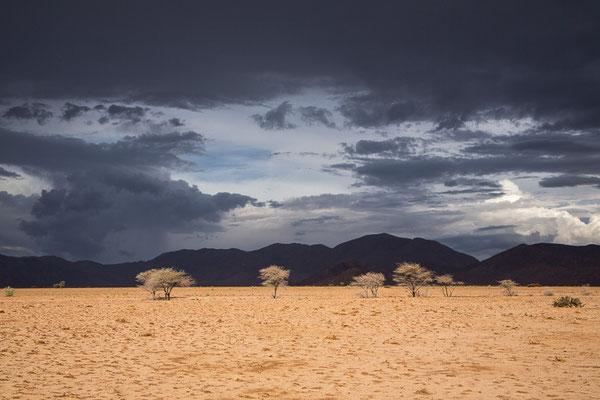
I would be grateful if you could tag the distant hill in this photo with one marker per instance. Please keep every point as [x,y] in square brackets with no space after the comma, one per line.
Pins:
[310,264]
[547,264]
[543,263]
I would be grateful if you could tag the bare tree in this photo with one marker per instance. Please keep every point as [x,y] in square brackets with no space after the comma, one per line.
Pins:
[447,283]
[165,279]
[369,282]
[509,287]
[274,276]
[413,276]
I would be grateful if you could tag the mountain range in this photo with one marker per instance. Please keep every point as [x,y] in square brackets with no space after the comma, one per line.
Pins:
[547,264]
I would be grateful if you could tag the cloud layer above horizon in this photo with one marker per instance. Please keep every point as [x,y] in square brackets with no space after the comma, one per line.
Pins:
[194,125]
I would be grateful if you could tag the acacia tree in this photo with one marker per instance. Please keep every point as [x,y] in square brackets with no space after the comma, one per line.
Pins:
[164,278]
[146,281]
[447,283]
[274,276]
[369,282]
[413,276]
[509,287]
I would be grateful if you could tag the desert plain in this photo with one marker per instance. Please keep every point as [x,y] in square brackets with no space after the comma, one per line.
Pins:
[310,343]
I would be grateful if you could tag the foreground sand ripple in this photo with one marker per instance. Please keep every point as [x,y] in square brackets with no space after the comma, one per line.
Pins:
[312,343]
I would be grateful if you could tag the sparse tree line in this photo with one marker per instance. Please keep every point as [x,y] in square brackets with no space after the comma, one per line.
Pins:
[413,276]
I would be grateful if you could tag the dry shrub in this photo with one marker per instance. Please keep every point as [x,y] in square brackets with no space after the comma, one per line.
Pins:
[448,284]
[567,301]
[508,286]
[369,282]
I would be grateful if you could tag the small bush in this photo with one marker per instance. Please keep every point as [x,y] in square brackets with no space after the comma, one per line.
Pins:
[586,291]
[534,285]
[508,287]
[59,285]
[567,301]
[548,292]
[8,291]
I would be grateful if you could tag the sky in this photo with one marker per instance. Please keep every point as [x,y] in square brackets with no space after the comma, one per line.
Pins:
[128,129]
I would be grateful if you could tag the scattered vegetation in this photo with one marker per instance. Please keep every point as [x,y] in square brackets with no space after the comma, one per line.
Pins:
[413,276]
[448,284]
[548,292]
[567,301]
[585,291]
[8,291]
[508,287]
[164,278]
[274,276]
[60,284]
[369,282]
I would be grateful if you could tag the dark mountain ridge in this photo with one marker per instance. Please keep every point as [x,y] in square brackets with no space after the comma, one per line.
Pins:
[547,264]
[543,263]
[233,267]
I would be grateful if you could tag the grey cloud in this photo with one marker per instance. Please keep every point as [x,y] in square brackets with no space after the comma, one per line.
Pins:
[392,147]
[470,60]
[125,113]
[316,115]
[105,205]
[8,174]
[569,181]
[472,182]
[275,119]
[450,122]
[176,122]
[494,228]
[71,111]
[36,111]
[112,190]
[316,220]
[371,111]
[542,153]
[59,153]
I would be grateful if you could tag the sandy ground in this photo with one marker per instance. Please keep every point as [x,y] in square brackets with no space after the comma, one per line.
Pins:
[311,343]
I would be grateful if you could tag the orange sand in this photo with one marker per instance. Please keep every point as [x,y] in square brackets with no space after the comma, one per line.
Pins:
[312,343]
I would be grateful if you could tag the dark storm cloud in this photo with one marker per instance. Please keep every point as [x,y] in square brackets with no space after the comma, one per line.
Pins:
[125,113]
[409,61]
[176,122]
[569,181]
[8,174]
[71,111]
[450,122]
[371,111]
[316,115]
[548,144]
[472,182]
[36,111]
[527,153]
[275,119]
[105,203]
[392,147]
[106,189]
[59,153]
